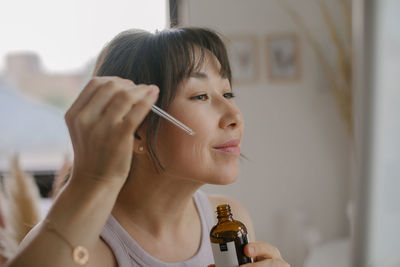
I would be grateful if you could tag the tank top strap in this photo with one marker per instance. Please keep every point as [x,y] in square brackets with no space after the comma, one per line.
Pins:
[204,204]
[111,234]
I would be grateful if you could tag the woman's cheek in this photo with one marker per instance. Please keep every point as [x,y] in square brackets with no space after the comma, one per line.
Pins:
[191,154]
[198,154]
[205,166]
[181,152]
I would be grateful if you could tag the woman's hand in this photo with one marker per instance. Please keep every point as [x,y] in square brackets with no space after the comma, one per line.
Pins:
[264,254]
[102,122]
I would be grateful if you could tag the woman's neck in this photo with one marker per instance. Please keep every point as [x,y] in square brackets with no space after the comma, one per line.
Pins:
[157,204]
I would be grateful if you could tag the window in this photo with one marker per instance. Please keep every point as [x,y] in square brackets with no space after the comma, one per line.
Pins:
[47,53]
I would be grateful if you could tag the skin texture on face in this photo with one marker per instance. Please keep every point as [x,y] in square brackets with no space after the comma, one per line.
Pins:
[204,102]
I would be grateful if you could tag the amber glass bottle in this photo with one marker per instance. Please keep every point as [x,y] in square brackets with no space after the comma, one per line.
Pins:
[228,238]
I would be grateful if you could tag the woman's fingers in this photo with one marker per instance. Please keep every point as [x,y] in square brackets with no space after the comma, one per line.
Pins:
[268,263]
[262,249]
[87,93]
[101,125]
[138,112]
[264,254]
[102,97]
[123,101]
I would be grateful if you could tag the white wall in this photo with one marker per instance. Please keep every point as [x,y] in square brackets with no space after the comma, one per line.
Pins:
[298,174]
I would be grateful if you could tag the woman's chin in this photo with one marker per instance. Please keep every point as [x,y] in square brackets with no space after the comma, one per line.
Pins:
[223,180]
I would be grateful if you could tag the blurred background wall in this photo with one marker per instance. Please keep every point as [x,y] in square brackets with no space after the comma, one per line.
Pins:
[296,181]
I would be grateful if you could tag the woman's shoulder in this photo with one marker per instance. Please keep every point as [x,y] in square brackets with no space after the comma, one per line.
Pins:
[239,212]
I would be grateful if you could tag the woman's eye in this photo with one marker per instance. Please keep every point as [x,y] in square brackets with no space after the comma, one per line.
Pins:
[229,95]
[203,97]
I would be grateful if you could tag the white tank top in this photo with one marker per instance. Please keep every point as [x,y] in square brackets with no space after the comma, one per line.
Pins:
[129,253]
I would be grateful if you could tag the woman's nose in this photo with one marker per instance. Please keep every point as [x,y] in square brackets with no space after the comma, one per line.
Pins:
[232,118]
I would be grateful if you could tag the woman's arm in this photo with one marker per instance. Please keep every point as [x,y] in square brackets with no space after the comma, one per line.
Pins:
[101,123]
[79,214]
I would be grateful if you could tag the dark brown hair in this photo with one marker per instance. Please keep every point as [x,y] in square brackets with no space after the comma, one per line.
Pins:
[164,58]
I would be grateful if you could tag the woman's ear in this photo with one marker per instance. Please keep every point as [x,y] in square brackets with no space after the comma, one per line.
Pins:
[139,145]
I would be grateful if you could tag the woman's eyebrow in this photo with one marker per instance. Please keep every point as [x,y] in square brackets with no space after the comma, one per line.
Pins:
[198,75]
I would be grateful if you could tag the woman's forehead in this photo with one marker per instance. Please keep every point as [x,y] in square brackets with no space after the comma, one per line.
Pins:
[206,62]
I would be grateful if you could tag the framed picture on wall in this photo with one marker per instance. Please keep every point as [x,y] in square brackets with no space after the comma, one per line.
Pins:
[243,56]
[283,57]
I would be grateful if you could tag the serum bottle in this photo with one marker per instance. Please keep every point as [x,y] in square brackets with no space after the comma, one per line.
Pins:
[228,239]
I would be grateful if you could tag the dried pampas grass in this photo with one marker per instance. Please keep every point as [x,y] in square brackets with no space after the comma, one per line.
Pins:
[339,76]
[21,208]
[62,177]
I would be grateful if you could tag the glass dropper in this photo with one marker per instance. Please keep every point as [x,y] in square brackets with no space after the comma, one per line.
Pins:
[171,119]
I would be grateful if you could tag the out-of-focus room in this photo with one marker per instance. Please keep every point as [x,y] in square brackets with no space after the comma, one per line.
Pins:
[316,82]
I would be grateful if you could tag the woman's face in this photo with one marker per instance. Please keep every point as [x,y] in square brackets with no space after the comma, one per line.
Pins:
[204,102]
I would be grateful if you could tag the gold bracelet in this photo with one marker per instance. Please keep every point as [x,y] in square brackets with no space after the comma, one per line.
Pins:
[80,254]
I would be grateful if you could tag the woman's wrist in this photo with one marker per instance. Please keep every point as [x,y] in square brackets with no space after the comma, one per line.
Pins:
[90,182]
[82,208]
[80,254]
[72,227]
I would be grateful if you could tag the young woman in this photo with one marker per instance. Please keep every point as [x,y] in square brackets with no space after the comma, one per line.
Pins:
[133,197]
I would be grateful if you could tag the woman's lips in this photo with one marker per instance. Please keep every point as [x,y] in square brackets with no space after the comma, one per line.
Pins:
[231,147]
[233,150]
